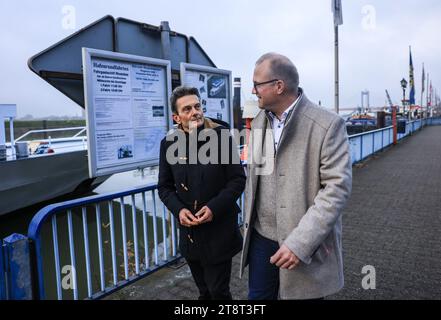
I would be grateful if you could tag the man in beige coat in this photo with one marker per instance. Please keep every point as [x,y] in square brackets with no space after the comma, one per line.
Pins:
[299,179]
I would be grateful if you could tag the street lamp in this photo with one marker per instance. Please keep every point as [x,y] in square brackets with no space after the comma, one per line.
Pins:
[404,86]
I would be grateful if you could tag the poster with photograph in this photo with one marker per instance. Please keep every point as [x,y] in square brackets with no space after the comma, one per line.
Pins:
[127,110]
[214,87]
[114,146]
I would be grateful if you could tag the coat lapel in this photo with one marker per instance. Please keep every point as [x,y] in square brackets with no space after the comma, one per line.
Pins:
[294,118]
[255,157]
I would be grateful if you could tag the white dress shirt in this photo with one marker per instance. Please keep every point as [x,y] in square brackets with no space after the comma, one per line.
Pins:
[278,124]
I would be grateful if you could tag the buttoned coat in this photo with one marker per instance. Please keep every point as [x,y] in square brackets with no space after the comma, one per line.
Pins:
[216,185]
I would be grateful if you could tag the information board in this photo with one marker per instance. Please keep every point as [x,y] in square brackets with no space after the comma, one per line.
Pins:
[215,88]
[127,108]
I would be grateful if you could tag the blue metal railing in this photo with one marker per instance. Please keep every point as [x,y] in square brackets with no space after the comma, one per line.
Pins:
[365,144]
[433,121]
[132,269]
[50,213]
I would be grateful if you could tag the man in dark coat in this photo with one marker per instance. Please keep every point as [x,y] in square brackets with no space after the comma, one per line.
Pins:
[200,180]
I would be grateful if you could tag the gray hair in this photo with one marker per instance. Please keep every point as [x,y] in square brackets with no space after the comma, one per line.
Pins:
[282,68]
[180,92]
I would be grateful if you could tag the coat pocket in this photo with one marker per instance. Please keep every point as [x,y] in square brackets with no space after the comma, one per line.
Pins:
[181,183]
[324,249]
[320,254]
[180,176]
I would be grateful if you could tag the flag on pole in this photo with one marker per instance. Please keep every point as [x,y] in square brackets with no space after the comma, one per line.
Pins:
[427,91]
[430,94]
[411,80]
[338,14]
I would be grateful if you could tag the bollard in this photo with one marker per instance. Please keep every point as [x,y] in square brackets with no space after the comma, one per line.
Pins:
[2,274]
[17,267]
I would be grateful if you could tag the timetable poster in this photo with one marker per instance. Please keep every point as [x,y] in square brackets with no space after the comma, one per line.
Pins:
[129,112]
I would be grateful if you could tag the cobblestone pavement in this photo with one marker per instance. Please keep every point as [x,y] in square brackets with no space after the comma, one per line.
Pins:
[391,222]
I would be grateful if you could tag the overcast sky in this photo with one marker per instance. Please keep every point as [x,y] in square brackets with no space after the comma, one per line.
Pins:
[374,41]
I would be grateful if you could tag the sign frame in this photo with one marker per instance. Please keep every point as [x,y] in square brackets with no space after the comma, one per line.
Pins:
[88,54]
[190,67]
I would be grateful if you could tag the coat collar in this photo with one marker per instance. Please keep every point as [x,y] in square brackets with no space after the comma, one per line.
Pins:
[208,124]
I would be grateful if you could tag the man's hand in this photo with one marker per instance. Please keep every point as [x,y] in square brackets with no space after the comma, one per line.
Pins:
[284,258]
[204,215]
[187,219]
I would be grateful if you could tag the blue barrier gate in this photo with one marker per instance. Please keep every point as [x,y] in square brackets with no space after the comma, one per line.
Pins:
[15,268]
[2,274]
[80,214]
[18,267]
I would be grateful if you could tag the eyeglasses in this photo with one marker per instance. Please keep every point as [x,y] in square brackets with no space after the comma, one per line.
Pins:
[256,84]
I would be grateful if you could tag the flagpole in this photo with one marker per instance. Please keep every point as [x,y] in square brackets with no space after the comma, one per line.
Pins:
[338,19]
[427,95]
[411,81]
[422,90]
[430,95]
[336,102]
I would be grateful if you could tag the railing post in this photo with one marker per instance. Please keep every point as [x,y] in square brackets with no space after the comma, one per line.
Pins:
[18,267]
[2,273]
[382,142]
